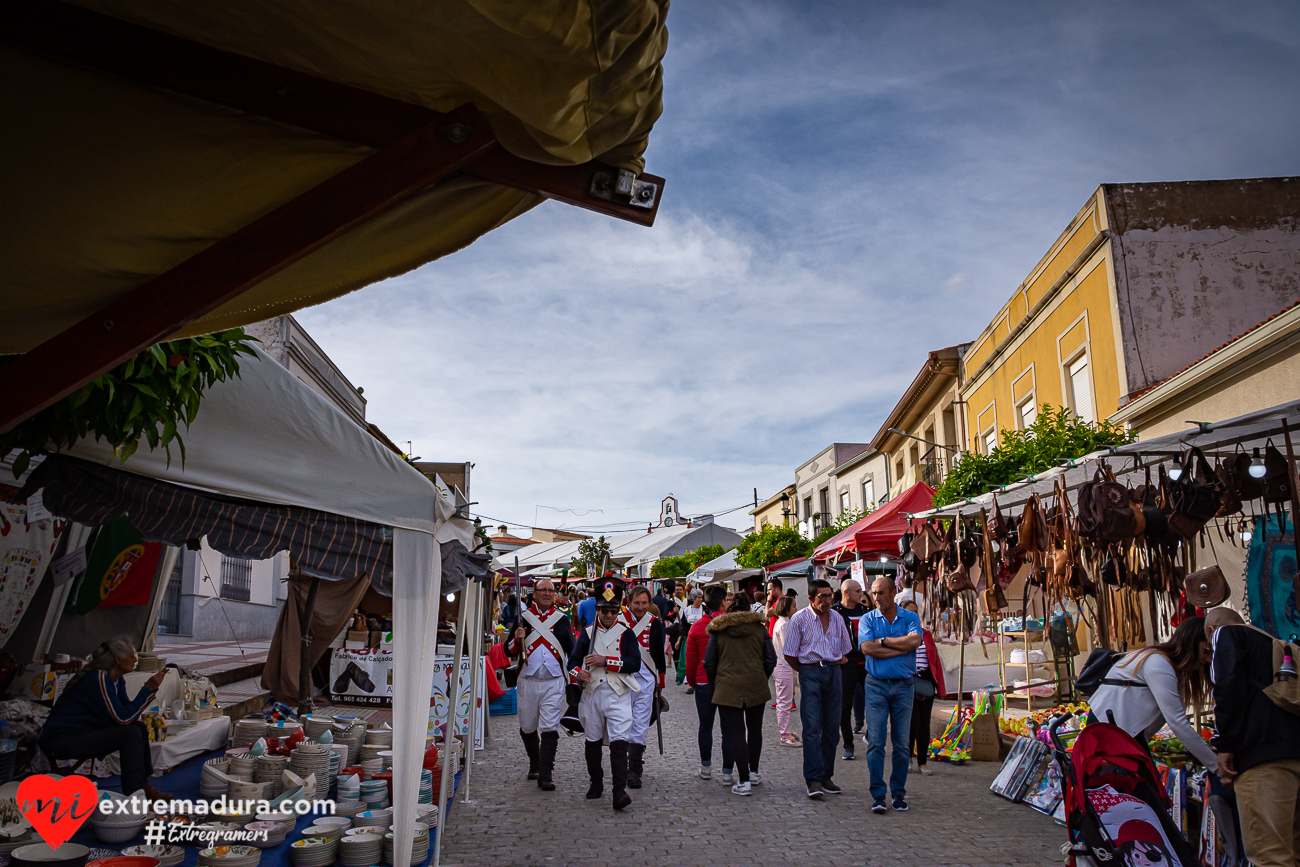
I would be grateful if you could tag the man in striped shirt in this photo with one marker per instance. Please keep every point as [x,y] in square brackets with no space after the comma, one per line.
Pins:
[816,645]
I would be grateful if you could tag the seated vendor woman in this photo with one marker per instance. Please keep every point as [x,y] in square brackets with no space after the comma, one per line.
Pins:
[94,717]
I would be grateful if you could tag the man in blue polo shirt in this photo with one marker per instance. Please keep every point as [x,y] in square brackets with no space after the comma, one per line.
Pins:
[889,636]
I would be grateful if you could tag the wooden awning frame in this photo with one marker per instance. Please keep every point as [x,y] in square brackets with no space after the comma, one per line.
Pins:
[415,148]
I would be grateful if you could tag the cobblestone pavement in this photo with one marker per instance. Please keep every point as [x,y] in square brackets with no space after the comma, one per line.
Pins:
[679,819]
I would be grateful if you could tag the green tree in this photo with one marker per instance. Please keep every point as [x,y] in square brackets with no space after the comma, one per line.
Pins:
[151,394]
[771,545]
[1056,433]
[704,554]
[684,564]
[589,551]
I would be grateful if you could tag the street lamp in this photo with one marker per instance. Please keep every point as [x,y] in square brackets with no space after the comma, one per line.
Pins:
[785,509]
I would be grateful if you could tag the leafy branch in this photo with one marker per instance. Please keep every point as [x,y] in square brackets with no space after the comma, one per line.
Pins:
[150,395]
[1056,433]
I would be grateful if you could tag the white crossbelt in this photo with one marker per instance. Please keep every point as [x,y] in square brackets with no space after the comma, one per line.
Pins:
[642,632]
[542,633]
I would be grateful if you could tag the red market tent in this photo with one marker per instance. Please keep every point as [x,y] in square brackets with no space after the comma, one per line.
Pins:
[880,530]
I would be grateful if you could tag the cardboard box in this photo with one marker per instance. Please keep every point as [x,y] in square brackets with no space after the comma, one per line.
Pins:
[359,635]
[984,745]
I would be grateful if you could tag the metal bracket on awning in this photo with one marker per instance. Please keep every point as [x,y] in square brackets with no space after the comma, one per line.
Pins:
[624,187]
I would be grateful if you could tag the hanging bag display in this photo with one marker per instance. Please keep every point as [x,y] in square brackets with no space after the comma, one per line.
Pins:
[1194,495]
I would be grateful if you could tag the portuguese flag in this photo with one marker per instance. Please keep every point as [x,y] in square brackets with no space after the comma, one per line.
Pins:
[119,570]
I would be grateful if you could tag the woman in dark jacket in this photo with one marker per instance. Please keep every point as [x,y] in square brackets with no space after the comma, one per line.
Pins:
[738,660]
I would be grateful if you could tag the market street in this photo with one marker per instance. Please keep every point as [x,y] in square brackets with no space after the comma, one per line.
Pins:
[679,819]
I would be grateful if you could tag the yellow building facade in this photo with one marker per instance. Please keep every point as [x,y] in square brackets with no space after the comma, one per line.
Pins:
[1145,279]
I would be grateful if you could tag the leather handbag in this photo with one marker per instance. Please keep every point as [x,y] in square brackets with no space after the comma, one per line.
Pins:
[1206,588]
[1104,511]
[927,543]
[995,523]
[1238,467]
[1034,537]
[1230,503]
[1277,480]
[1194,496]
[958,580]
[1156,521]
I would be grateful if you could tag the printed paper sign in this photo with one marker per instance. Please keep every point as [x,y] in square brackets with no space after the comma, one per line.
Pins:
[69,566]
[36,510]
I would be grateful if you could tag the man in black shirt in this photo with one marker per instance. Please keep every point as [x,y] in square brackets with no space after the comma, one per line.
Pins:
[665,603]
[853,672]
[1258,742]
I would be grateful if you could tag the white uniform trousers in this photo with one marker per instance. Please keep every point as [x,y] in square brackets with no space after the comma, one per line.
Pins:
[643,705]
[541,703]
[604,714]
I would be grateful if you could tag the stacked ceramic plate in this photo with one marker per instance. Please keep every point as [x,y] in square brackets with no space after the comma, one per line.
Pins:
[386,756]
[17,837]
[146,661]
[426,787]
[240,790]
[382,736]
[288,820]
[269,769]
[224,832]
[342,750]
[311,759]
[370,767]
[361,850]
[333,767]
[314,725]
[270,834]
[373,819]
[242,764]
[213,780]
[419,846]
[249,729]
[426,813]
[374,794]
[348,808]
[230,856]
[282,729]
[350,731]
[312,852]
[168,856]
[349,788]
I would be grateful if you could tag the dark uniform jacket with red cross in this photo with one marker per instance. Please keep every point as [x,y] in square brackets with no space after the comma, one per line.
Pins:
[628,660]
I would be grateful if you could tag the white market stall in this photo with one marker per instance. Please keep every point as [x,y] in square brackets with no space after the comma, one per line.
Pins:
[266,438]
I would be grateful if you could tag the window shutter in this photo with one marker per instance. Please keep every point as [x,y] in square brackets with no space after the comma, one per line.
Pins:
[1081,389]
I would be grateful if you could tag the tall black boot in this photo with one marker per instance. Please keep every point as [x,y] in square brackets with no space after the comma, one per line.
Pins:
[618,772]
[530,744]
[634,764]
[594,770]
[550,740]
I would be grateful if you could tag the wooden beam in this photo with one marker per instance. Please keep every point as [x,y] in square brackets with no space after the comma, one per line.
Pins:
[328,107]
[205,281]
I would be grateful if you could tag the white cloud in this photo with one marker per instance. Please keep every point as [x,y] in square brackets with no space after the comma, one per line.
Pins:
[849,186]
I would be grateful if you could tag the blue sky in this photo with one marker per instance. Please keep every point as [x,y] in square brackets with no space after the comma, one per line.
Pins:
[850,185]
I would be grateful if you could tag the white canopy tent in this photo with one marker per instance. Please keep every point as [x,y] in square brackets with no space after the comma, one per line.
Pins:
[267,437]
[722,568]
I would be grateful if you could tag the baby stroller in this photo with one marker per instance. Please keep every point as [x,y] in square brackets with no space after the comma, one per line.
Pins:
[1116,807]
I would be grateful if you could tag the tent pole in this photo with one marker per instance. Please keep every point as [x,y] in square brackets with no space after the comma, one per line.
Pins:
[453,697]
[305,703]
[475,637]
[961,665]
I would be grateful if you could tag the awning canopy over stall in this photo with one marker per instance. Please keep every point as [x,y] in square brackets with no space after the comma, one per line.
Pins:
[722,568]
[880,530]
[180,168]
[1214,439]
[265,439]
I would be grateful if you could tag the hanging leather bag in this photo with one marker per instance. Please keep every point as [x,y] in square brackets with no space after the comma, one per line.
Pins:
[1238,466]
[927,543]
[1206,588]
[1230,503]
[1034,535]
[1104,511]
[995,524]
[1277,481]
[1194,496]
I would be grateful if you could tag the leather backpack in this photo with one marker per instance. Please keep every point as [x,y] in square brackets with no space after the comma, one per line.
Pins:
[1104,511]
[1277,479]
[927,543]
[1238,468]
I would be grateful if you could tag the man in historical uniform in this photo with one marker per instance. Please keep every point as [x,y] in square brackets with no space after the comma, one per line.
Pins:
[605,660]
[649,632]
[544,640]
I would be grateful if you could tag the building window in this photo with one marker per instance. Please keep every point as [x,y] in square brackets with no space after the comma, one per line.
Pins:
[844,502]
[1081,389]
[1028,411]
[990,440]
[807,508]
[824,500]
[236,579]
[868,493]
